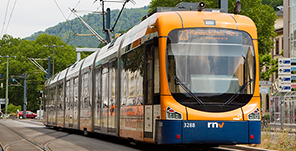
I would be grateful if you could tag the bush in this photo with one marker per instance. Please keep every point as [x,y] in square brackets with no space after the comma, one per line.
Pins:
[12,108]
[267,117]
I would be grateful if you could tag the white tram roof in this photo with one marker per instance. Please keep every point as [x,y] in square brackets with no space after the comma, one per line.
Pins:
[74,69]
[138,31]
[88,61]
[54,78]
[63,74]
[107,51]
[47,82]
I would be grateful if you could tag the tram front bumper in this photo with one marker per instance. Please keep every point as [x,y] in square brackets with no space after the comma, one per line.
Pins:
[208,132]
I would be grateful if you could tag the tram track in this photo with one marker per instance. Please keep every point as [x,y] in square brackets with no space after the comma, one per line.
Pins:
[22,136]
[51,142]
[240,148]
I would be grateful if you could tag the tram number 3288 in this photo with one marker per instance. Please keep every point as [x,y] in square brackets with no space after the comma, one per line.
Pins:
[189,125]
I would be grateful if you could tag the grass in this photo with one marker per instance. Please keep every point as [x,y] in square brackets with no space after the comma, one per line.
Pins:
[279,140]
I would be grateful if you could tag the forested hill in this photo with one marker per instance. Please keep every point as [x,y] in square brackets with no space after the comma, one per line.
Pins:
[68,30]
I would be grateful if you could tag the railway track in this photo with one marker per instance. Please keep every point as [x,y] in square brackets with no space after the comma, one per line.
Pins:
[20,138]
[23,139]
[240,148]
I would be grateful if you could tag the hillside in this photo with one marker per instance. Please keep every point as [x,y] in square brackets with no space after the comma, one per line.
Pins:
[128,19]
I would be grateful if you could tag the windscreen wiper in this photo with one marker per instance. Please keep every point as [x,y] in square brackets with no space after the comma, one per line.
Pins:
[241,89]
[188,91]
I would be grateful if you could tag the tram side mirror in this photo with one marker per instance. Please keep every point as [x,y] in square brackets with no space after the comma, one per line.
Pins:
[201,5]
[237,7]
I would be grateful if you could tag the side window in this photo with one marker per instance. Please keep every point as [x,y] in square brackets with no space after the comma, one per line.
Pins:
[105,86]
[112,78]
[132,77]
[98,91]
[85,96]
[152,75]
[60,106]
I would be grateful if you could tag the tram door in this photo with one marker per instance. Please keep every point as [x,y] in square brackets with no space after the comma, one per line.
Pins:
[98,100]
[148,90]
[71,107]
[112,96]
[104,105]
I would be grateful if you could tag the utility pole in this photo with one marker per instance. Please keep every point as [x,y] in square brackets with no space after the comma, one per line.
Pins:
[223,4]
[53,46]
[108,18]
[25,95]
[7,75]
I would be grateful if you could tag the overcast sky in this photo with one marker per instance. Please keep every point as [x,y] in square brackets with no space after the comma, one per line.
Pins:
[25,17]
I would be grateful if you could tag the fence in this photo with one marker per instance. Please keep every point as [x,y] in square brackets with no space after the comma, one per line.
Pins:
[283,110]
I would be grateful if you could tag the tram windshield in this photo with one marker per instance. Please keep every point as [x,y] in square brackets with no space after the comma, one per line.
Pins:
[210,69]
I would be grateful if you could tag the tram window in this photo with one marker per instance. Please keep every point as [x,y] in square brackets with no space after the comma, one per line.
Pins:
[152,75]
[75,90]
[85,90]
[67,98]
[105,86]
[156,95]
[132,77]
[98,87]
[60,98]
[112,75]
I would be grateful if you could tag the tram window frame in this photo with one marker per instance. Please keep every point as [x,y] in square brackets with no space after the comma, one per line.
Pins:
[112,64]
[154,79]
[67,97]
[60,96]
[105,88]
[98,87]
[86,84]
[131,76]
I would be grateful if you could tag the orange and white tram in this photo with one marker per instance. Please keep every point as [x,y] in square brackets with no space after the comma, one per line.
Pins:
[179,77]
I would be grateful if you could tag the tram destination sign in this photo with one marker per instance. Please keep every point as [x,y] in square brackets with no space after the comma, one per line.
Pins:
[287,74]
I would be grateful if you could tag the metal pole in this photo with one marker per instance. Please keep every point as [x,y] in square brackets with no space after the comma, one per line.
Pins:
[108,18]
[282,112]
[40,108]
[53,60]
[25,96]
[223,4]
[6,94]
[48,67]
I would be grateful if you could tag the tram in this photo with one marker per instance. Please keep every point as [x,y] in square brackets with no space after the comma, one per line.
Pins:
[181,76]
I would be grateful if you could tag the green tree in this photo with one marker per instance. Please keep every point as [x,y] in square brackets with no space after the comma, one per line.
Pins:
[24,49]
[129,18]
[273,3]
[12,108]
[169,3]
[263,16]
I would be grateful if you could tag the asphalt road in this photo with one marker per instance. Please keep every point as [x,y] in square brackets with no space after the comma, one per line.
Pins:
[33,135]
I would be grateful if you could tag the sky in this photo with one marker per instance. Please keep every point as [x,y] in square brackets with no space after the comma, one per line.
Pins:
[25,17]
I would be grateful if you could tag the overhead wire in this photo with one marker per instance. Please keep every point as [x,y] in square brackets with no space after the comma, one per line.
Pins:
[10,16]
[5,18]
[74,34]
[67,21]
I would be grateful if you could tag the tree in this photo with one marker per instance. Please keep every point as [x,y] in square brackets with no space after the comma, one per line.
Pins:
[273,3]
[24,49]
[169,3]
[263,16]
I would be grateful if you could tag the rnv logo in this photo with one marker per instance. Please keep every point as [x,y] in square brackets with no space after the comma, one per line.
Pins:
[215,125]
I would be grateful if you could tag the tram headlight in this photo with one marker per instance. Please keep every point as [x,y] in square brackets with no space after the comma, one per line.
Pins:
[173,115]
[255,115]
